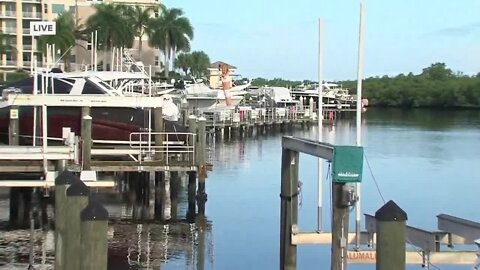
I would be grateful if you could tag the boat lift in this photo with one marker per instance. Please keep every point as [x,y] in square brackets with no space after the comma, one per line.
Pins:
[139,151]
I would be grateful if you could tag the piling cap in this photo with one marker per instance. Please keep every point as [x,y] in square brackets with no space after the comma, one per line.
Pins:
[65,178]
[77,188]
[94,211]
[390,212]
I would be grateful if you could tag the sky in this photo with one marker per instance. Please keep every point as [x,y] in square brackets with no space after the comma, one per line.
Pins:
[279,38]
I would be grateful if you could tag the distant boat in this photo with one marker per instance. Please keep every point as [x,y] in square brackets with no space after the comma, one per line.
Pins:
[199,96]
[334,96]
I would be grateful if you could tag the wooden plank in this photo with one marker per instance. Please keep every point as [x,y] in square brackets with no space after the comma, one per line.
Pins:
[311,238]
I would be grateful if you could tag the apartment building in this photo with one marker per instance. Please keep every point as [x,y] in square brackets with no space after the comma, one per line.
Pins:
[16,16]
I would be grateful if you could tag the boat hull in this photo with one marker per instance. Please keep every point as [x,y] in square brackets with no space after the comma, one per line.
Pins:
[108,124]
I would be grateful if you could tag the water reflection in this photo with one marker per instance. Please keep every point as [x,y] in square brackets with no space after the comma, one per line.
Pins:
[171,228]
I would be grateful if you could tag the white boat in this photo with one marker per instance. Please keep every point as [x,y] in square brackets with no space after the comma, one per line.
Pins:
[200,96]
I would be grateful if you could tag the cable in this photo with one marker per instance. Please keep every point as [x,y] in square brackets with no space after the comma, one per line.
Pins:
[383,199]
[374,179]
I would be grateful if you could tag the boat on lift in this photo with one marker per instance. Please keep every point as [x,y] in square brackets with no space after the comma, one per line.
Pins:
[109,125]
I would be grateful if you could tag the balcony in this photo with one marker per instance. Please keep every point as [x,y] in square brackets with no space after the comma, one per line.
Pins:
[8,14]
[11,62]
[31,15]
[10,31]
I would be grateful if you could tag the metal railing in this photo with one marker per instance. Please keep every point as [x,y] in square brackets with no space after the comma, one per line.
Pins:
[174,145]
[8,13]
[35,15]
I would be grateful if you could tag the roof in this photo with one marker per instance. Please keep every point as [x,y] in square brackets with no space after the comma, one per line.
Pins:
[218,63]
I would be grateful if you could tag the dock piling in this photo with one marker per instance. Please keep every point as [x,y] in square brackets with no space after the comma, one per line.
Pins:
[62,181]
[77,200]
[288,208]
[158,126]
[86,141]
[93,231]
[391,235]
[14,127]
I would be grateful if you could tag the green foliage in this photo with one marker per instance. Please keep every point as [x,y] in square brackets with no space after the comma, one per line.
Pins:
[171,32]
[275,82]
[64,39]
[13,76]
[199,64]
[139,18]
[184,62]
[195,63]
[111,21]
[436,86]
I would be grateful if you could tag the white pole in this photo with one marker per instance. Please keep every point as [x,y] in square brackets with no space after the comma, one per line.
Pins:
[320,126]
[150,113]
[52,66]
[32,54]
[95,50]
[121,58]
[359,119]
[112,62]
[92,59]
[50,62]
[35,90]
[118,58]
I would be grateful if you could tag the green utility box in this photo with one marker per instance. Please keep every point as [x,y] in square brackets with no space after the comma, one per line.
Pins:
[347,164]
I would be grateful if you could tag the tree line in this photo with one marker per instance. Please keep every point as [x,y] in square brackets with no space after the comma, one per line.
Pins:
[117,25]
[436,86]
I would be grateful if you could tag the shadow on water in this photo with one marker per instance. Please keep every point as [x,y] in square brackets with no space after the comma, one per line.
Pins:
[141,235]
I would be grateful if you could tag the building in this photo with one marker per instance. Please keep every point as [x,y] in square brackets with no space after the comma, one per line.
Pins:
[15,18]
[215,73]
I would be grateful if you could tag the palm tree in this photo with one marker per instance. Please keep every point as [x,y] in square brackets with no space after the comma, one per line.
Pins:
[112,25]
[64,39]
[140,20]
[199,64]
[184,62]
[172,32]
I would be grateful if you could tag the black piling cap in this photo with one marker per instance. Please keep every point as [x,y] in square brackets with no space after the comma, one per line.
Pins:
[77,188]
[390,212]
[94,211]
[65,178]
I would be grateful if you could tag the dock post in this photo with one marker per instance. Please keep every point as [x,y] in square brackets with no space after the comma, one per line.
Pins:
[391,235]
[192,128]
[152,190]
[201,159]
[158,127]
[174,189]
[63,180]
[192,187]
[288,209]
[93,232]
[159,187]
[339,228]
[77,200]
[86,141]
[13,133]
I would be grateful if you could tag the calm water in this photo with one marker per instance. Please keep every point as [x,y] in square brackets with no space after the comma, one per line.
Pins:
[424,160]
